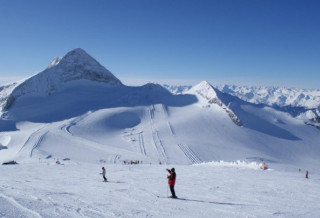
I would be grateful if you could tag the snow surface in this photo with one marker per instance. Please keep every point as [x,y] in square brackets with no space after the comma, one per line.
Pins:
[216,141]
[75,189]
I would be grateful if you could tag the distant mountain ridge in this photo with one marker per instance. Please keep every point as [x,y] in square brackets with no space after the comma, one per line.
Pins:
[301,103]
[269,95]
[280,96]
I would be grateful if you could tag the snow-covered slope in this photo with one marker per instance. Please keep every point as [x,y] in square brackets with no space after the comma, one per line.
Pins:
[77,109]
[219,189]
[62,124]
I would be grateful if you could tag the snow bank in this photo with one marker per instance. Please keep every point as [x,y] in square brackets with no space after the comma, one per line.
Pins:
[237,164]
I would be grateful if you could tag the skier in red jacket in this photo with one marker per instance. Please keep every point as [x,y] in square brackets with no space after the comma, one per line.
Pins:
[172,181]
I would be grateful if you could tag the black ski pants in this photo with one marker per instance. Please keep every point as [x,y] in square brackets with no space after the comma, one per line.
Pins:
[172,191]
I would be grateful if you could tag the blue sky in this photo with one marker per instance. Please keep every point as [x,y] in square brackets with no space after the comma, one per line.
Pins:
[251,42]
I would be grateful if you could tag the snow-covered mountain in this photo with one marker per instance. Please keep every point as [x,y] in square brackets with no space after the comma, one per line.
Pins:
[210,95]
[77,109]
[279,96]
[62,124]
[303,104]
[75,65]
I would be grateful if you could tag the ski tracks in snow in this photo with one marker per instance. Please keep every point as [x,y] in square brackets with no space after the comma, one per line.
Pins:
[38,142]
[34,140]
[171,128]
[141,143]
[74,122]
[189,153]
[159,146]
[155,137]
[11,208]
[183,147]
[116,158]
[166,112]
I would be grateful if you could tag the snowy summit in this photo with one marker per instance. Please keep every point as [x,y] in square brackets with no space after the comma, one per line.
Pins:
[74,66]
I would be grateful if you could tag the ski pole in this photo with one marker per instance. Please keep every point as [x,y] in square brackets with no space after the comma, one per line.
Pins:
[167,190]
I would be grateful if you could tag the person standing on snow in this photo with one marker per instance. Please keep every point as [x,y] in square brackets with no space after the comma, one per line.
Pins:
[307,174]
[172,181]
[104,174]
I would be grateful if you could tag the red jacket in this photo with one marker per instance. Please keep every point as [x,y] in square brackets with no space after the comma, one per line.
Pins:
[171,178]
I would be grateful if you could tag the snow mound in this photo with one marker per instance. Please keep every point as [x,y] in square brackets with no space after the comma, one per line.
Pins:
[235,164]
[4,140]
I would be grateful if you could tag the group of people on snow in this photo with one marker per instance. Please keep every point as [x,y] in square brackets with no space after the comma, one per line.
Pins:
[171,180]
[132,162]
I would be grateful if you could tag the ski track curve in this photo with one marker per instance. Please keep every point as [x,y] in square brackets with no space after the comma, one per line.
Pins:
[38,142]
[66,127]
[32,135]
[189,154]
[11,208]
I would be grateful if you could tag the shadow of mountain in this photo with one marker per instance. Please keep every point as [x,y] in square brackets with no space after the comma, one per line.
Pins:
[77,100]
[252,121]
[7,125]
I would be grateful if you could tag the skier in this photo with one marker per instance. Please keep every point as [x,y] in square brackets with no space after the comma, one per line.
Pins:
[171,181]
[264,166]
[104,174]
[307,174]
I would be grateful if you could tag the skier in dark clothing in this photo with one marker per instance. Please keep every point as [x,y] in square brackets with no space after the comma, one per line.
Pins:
[104,174]
[307,174]
[172,181]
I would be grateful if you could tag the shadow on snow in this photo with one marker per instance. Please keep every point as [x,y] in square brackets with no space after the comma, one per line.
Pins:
[78,100]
